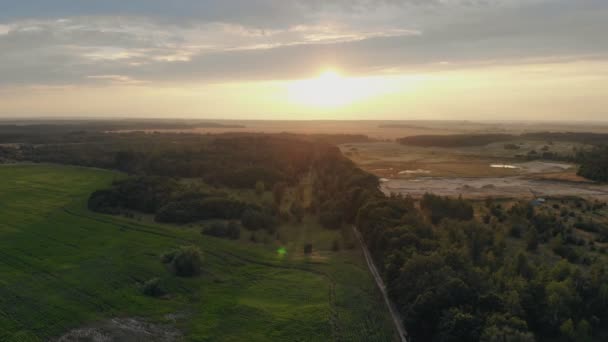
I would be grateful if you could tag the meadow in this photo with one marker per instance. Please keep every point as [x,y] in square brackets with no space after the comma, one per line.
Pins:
[63,267]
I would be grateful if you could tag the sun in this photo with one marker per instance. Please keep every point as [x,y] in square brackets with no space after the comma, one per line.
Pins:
[327,90]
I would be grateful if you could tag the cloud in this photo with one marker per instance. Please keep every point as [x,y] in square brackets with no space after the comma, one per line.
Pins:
[79,42]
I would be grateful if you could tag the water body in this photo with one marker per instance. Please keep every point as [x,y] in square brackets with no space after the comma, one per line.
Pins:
[504,166]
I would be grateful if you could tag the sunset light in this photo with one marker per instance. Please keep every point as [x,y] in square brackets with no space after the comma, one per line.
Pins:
[332,90]
[299,170]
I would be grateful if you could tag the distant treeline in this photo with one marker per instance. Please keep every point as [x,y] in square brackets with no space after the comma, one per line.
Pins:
[233,160]
[456,140]
[68,130]
[467,140]
[402,126]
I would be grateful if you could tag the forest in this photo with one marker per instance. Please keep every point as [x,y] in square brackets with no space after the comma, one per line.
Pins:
[594,164]
[456,278]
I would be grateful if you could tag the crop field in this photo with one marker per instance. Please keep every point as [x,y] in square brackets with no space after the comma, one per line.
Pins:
[63,267]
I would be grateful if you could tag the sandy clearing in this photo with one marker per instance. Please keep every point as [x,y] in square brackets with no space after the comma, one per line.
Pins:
[122,330]
[500,187]
[544,167]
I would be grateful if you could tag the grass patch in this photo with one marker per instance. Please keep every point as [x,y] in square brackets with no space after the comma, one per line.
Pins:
[63,267]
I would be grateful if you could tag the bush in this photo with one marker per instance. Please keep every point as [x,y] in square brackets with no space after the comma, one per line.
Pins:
[254,220]
[297,211]
[168,257]
[532,240]
[190,210]
[230,230]
[308,249]
[330,219]
[260,188]
[184,262]
[335,246]
[515,230]
[153,288]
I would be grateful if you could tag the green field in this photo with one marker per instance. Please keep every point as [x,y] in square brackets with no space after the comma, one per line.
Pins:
[63,267]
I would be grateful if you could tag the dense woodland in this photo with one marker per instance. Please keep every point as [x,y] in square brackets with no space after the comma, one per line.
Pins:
[456,140]
[594,164]
[457,278]
[457,271]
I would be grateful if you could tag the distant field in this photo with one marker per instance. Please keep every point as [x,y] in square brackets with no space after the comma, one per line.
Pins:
[63,267]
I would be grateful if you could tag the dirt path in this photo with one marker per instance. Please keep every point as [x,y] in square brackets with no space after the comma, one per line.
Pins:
[374,271]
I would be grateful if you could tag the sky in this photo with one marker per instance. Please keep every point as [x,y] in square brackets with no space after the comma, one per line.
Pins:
[305,59]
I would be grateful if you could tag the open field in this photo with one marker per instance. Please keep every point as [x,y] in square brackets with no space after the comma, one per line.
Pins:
[64,267]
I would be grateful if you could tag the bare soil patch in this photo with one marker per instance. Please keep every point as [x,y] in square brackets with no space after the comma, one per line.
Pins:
[122,330]
[498,187]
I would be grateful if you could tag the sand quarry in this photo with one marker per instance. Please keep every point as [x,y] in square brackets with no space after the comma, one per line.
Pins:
[503,187]
[475,173]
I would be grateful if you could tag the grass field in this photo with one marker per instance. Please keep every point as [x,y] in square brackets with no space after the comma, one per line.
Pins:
[64,267]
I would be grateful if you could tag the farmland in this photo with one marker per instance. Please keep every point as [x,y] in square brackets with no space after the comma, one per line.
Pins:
[64,268]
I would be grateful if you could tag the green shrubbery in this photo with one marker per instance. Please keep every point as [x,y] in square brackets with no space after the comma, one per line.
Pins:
[170,201]
[153,288]
[256,220]
[184,262]
[230,230]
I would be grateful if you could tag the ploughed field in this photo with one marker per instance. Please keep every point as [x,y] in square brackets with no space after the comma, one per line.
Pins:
[67,272]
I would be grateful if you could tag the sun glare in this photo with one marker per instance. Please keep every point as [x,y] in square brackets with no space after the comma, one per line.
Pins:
[328,90]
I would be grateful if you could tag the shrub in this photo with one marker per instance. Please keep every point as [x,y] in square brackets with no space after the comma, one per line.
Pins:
[532,240]
[297,211]
[184,262]
[308,249]
[230,230]
[168,257]
[153,288]
[190,210]
[330,219]
[335,246]
[260,188]
[254,220]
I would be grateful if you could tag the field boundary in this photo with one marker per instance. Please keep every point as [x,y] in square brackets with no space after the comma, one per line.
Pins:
[374,271]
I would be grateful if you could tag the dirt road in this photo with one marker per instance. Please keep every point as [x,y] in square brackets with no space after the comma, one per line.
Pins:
[391,308]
